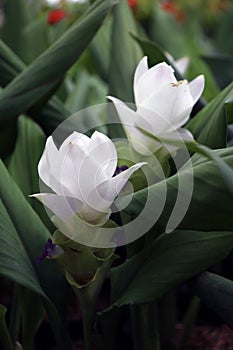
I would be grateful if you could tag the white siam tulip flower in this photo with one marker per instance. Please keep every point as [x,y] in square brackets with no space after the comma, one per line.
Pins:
[84,177]
[163,105]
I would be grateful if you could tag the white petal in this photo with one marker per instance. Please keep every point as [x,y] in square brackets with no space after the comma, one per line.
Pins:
[180,135]
[141,69]
[77,138]
[196,87]
[152,81]
[103,196]
[48,161]
[182,64]
[130,119]
[104,152]
[80,171]
[167,109]
[127,116]
[71,154]
[63,207]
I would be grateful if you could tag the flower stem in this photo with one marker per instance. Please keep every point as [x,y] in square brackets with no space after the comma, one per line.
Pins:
[88,297]
[88,329]
[145,328]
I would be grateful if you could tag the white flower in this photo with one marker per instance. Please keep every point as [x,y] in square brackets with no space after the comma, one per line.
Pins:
[181,65]
[81,173]
[163,105]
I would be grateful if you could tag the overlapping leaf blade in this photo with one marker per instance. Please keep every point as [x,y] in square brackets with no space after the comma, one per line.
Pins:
[210,207]
[209,126]
[170,260]
[217,292]
[23,237]
[48,69]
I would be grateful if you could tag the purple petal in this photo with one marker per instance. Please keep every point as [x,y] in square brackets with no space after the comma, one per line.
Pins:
[50,250]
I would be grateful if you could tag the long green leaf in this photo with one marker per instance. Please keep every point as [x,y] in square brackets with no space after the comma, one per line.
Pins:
[23,237]
[193,146]
[172,259]
[28,301]
[48,69]
[125,53]
[14,25]
[124,57]
[217,292]
[209,126]
[25,157]
[210,207]
[51,115]
[24,160]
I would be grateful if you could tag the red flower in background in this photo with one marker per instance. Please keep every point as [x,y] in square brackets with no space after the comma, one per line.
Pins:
[172,8]
[56,16]
[132,3]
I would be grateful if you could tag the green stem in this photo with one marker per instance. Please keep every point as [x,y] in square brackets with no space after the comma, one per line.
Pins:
[88,297]
[14,323]
[189,320]
[88,328]
[167,321]
[145,327]
[138,338]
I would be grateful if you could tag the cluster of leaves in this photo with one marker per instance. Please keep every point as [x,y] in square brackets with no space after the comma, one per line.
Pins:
[97,55]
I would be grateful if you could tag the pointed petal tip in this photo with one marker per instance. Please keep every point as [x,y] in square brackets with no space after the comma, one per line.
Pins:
[196,87]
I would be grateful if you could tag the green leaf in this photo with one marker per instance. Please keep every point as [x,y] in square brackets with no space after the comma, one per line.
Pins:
[209,125]
[125,53]
[222,68]
[172,259]
[161,26]
[210,207]
[198,66]
[100,49]
[10,64]
[25,157]
[49,69]
[125,56]
[14,25]
[5,339]
[151,49]
[24,160]
[38,28]
[14,261]
[193,146]
[23,237]
[51,115]
[217,292]
[28,301]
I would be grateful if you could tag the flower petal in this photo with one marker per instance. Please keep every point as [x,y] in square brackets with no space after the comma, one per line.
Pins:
[141,69]
[48,164]
[182,64]
[196,87]
[80,170]
[107,191]
[104,152]
[153,80]
[180,135]
[130,119]
[168,108]
[63,207]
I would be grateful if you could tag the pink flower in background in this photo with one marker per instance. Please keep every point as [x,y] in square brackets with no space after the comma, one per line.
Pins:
[173,9]
[56,16]
[132,3]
